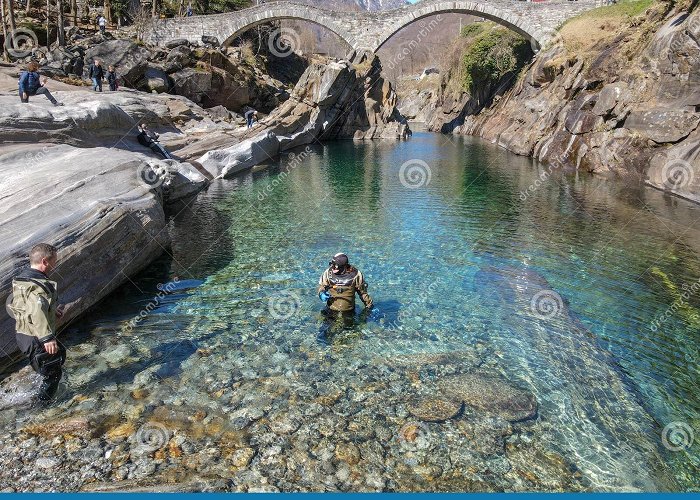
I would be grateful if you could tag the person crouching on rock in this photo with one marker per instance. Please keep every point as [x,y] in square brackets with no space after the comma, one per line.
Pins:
[31,84]
[250,116]
[148,138]
[112,78]
[35,308]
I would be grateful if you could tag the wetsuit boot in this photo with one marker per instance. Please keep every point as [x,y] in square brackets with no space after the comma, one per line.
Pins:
[49,387]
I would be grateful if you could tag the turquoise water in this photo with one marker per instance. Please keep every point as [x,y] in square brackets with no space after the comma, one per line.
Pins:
[555,288]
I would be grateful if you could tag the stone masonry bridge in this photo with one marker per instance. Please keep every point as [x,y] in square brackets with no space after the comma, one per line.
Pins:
[368,31]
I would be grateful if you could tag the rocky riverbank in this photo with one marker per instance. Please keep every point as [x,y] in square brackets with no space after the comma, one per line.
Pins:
[76,176]
[612,95]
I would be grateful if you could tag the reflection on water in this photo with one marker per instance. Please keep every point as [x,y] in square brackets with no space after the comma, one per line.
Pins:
[554,289]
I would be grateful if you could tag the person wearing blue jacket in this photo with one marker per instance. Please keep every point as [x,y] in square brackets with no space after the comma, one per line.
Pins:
[31,84]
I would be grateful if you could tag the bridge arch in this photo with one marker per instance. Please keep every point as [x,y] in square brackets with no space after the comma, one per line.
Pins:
[425,9]
[282,10]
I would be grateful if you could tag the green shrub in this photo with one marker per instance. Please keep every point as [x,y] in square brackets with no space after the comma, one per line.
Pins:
[493,53]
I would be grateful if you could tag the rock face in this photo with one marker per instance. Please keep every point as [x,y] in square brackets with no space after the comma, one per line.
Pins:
[129,58]
[91,204]
[338,100]
[637,116]
[76,177]
[209,76]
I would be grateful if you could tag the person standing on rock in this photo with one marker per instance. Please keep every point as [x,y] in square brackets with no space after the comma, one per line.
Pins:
[339,284]
[250,117]
[31,84]
[96,73]
[35,308]
[102,23]
[112,78]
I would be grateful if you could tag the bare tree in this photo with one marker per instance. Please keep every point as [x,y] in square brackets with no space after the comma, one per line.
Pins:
[73,11]
[5,54]
[108,11]
[11,14]
[60,21]
[154,8]
[142,22]
[26,10]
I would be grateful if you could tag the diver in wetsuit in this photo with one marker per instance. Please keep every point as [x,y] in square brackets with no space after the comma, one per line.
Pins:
[337,288]
[339,284]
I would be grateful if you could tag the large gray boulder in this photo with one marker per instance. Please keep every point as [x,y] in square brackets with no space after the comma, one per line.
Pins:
[178,58]
[192,84]
[89,119]
[95,204]
[155,79]
[129,59]
[229,161]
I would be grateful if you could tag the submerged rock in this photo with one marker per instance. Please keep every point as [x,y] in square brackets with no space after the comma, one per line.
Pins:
[435,410]
[492,395]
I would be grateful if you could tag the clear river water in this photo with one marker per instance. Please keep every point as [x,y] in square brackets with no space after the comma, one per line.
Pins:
[493,281]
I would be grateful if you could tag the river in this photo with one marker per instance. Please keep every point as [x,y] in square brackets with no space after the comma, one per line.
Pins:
[216,364]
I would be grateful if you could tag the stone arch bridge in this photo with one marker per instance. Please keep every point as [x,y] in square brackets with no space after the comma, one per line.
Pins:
[368,31]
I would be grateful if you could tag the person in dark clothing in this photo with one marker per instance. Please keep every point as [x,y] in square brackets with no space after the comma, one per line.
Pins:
[35,309]
[250,117]
[112,78]
[97,74]
[148,138]
[31,84]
